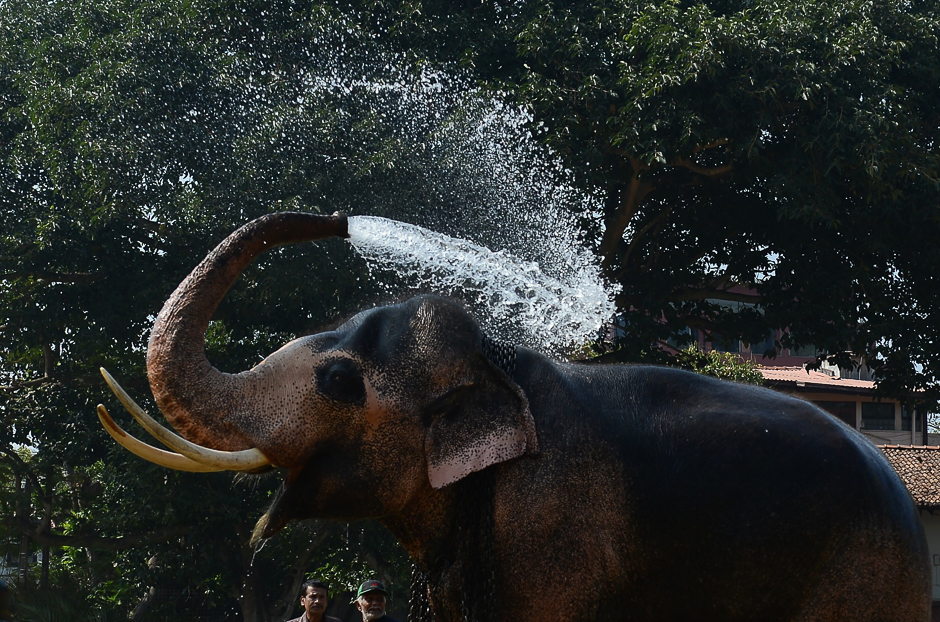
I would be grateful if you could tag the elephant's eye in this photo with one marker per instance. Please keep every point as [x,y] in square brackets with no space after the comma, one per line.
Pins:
[341,381]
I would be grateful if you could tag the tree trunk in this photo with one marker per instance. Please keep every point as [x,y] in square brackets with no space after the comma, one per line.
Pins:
[24,510]
[141,609]
[22,574]
[251,598]
[44,575]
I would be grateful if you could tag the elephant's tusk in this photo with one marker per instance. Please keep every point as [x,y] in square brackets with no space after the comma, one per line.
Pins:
[151,454]
[245,460]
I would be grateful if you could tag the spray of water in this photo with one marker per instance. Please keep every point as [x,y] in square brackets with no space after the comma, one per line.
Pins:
[516,300]
[363,131]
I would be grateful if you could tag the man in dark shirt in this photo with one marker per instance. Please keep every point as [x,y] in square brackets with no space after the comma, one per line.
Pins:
[371,602]
[314,597]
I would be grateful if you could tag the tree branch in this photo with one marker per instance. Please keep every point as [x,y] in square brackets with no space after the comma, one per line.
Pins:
[636,239]
[27,384]
[24,468]
[46,521]
[48,359]
[711,145]
[637,191]
[91,378]
[45,278]
[708,171]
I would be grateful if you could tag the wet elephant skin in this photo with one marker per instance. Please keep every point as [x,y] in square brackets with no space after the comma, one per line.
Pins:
[655,494]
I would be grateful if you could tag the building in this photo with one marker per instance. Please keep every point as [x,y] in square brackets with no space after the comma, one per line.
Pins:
[849,395]
[919,468]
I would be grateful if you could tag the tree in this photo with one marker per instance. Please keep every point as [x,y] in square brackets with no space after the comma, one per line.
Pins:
[724,365]
[778,154]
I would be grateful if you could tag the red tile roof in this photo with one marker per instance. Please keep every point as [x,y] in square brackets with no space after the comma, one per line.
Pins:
[800,378]
[919,468]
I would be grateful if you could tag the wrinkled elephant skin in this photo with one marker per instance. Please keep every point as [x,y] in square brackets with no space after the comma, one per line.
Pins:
[618,492]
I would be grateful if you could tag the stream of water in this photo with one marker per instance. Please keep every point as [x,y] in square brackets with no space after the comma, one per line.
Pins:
[513,298]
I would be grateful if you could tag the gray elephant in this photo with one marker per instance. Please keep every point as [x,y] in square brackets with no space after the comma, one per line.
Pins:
[527,489]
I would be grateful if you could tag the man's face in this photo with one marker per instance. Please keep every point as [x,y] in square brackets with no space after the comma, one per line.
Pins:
[372,606]
[314,602]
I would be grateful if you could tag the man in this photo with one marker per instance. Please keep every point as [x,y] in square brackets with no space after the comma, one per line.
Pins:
[371,601]
[314,597]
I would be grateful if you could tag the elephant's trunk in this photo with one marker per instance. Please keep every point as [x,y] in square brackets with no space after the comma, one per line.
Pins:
[195,397]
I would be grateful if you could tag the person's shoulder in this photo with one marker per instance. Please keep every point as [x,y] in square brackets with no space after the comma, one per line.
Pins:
[297,619]
[331,619]
[388,618]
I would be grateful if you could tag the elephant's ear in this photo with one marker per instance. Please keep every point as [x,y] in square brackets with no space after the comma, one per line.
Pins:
[483,422]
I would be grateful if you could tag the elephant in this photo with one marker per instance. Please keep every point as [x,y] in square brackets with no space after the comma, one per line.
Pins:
[530,489]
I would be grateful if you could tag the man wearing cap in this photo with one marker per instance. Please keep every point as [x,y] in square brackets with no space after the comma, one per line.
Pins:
[371,601]
[314,597]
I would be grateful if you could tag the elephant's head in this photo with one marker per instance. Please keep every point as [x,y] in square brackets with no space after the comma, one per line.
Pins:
[398,399]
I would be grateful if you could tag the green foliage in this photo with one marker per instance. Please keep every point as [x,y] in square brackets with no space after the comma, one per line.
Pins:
[724,365]
[359,551]
[62,603]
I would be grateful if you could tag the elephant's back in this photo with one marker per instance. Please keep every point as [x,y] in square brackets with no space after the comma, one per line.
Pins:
[744,503]
[752,496]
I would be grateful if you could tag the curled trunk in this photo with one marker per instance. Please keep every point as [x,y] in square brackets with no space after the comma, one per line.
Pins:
[195,397]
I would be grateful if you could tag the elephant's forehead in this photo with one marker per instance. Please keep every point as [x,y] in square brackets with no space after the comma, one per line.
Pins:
[417,315]
[288,404]
[296,363]
[377,333]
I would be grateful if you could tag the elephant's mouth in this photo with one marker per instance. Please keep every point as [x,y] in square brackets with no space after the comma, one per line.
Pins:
[292,501]
[275,518]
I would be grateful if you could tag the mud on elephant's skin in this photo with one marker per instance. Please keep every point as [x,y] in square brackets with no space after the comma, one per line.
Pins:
[529,489]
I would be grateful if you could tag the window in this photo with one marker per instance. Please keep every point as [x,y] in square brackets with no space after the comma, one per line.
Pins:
[685,337]
[843,411]
[807,351]
[877,416]
[906,417]
[758,349]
